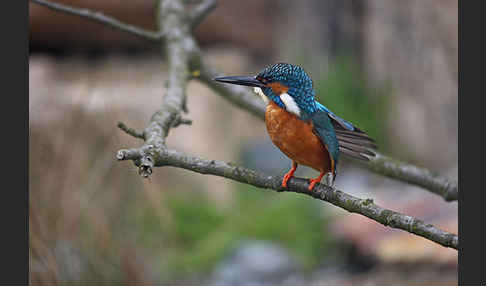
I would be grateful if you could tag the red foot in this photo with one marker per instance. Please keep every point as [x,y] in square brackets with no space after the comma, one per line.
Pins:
[289,175]
[313,182]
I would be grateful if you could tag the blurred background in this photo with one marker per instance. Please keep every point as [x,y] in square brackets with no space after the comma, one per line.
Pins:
[391,67]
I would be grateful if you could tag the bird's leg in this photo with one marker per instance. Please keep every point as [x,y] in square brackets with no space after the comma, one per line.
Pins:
[313,182]
[289,174]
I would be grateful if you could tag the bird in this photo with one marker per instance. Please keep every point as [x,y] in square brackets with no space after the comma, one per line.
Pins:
[305,130]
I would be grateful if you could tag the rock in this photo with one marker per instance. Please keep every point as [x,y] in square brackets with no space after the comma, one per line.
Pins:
[257,263]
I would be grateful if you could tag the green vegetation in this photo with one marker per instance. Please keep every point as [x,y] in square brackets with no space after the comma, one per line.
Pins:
[204,232]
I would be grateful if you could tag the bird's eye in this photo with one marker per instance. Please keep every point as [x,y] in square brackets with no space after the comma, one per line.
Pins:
[262,80]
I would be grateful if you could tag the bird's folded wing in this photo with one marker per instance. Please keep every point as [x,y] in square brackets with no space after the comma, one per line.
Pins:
[353,141]
[323,128]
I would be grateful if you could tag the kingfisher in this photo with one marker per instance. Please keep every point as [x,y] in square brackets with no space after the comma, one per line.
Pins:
[302,128]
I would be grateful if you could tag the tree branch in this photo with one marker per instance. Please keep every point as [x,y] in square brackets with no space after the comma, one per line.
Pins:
[322,192]
[200,12]
[101,18]
[414,175]
[179,48]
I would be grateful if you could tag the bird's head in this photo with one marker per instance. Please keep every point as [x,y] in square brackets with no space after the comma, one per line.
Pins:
[287,85]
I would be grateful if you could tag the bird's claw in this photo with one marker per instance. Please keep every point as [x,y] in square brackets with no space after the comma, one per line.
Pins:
[286,178]
[329,180]
[289,174]
[313,182]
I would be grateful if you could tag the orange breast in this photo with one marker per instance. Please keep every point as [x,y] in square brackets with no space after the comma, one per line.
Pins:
[296,139]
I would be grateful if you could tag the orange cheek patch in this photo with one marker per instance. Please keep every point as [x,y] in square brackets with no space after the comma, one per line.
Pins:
[278,88]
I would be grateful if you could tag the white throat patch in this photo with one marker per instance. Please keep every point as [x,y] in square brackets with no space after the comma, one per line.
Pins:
[259,91]
[290,104]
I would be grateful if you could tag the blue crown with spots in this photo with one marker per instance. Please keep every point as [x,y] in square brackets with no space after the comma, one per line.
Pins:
[297,81]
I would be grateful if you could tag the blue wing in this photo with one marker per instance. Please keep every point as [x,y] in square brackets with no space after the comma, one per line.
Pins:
[353,141]
[345,124]
[324,129]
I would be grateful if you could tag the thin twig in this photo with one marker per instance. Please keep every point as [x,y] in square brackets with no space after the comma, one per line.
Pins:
[183,121]
[101,18]
[322,192]
[130,131]
[200,12]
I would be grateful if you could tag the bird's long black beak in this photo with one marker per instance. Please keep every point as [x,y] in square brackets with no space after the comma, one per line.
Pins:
[241,80]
